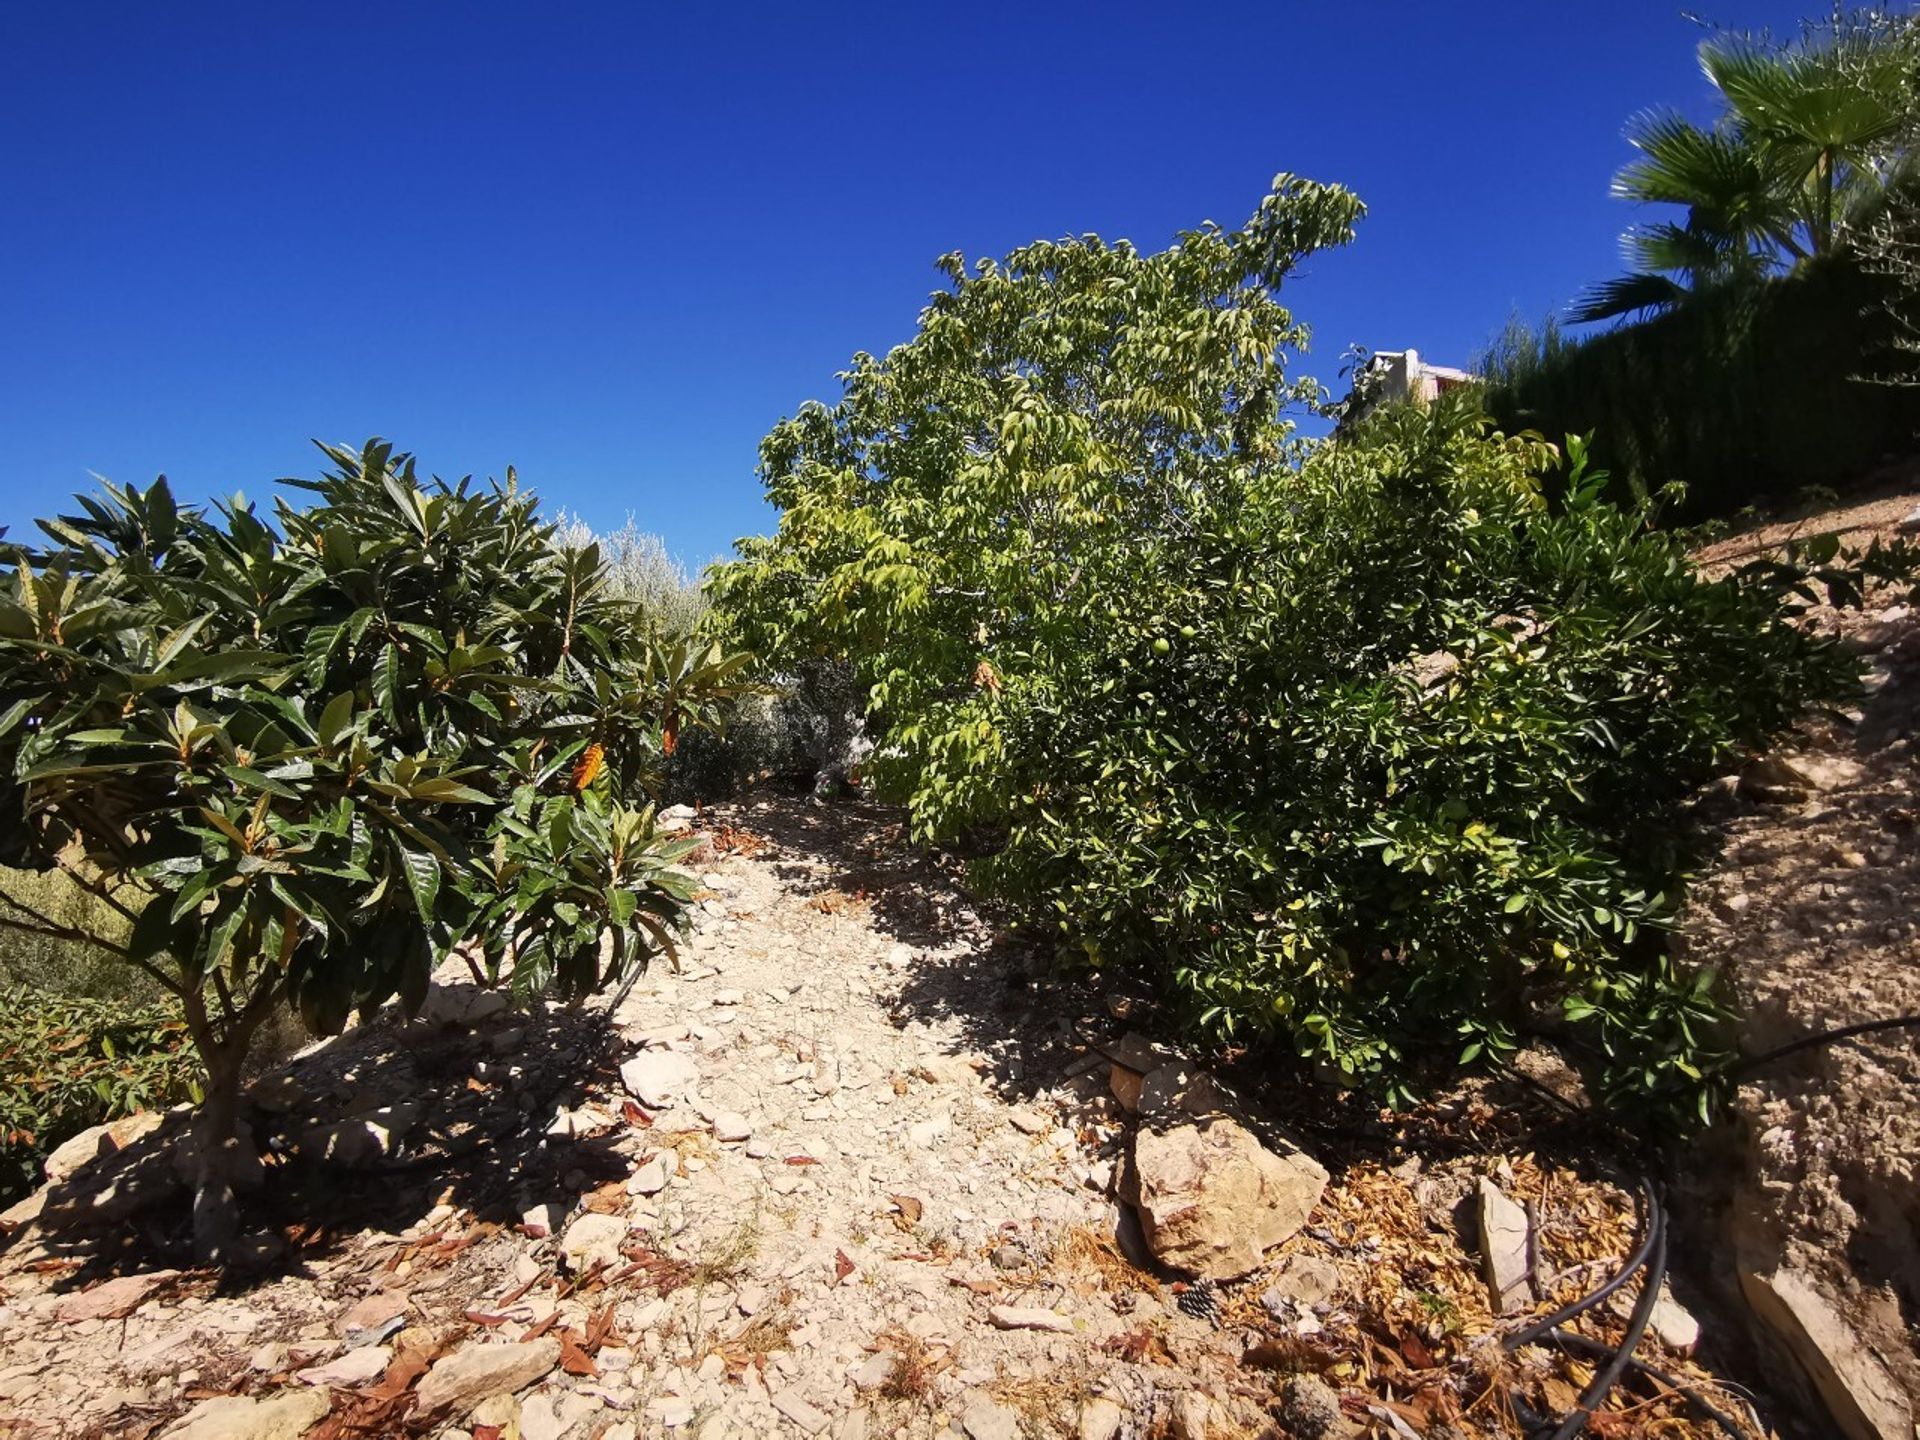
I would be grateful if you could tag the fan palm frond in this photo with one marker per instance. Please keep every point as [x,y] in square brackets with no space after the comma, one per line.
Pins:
[1637,294]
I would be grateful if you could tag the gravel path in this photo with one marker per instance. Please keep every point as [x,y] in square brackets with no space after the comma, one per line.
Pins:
[867,1193]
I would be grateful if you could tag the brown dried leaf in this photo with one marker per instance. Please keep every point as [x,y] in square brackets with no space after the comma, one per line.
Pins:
[576,1361]
[608,1199]
[909,1207]
[842,1266]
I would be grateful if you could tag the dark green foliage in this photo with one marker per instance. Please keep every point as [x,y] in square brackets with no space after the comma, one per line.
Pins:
[309,758]
[68,1063]
[1747,394]
[1406,780]
[1373,755]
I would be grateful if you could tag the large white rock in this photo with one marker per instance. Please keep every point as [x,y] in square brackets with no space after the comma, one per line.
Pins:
[285,1416]
[98,1142]
[1212,1199]
[1866,1403]
[461,1380]
[656,1078]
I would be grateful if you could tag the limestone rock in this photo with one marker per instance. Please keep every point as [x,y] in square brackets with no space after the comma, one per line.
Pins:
[114,1299]
[928,1133]
[656,1078]
[461,1005]
[1863,1399]
[987,1419]
[461,1380]
[1192,1416]
[361,1139]
[803,1413]
[1017,1317]
[1212,1200]
[593,1240]
[1310,1409]
[1671,1323]
[100,1141]
[1305,1280]
[652,1177]
[285,1416]
[356,1367]
[1786,778]
[1503,1249]
[1100,1419]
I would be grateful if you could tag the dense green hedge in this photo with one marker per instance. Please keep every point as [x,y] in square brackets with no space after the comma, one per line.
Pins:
[67,1063]
[1748,395]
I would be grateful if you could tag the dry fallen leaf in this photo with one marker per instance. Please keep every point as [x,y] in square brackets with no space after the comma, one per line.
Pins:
[842,1266]
[576,1361]
[909,1207]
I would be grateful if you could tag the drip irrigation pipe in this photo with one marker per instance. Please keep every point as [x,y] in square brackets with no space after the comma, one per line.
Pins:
[1652,1229]
[1827,1037]
[1597,1389]
[1574,1341]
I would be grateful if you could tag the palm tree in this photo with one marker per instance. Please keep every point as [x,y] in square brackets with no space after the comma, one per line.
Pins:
[1810,138]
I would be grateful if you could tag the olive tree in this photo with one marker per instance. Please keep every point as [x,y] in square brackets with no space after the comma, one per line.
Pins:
[310,756]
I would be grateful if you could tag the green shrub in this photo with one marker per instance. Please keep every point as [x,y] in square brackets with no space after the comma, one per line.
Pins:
[1747,394]
[309,757]
[1376,757]
[67,1063]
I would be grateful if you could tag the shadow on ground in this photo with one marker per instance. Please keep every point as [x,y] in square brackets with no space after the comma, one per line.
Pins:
[462,1115]
[1038,1022]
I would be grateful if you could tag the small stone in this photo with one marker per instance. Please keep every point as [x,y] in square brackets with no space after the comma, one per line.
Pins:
[673,1410]
[730,1127]
[795,1406]
[1671,1322]
[1192,1414]
[728,997]
[544,1219]
[1008,1257]
[1305,1280]
[987,1419]
[1100,1419]
[460,1380]
[371,1320]
[652,1177]
[593,1240]
[356,1367]
[1309,1408]
[1503,1250]
[656,1078]
[1027,1122]
[875,1370]
[928,1133]
[1017,1317]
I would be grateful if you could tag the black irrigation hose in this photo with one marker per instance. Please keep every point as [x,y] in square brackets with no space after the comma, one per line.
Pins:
[1595,1394]
[1652,1228]
[1726,1422]
[1827,1037]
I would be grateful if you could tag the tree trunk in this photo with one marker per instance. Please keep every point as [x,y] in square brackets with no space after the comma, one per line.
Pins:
[216,1214]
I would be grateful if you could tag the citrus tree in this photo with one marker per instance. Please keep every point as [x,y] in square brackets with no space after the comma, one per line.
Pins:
[309,757]
[1362,750]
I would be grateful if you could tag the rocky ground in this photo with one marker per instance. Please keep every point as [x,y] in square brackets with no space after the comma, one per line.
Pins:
[1814,1196]
[853,1171]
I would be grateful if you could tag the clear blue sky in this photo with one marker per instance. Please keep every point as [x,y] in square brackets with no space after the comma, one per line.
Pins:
[611,243]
